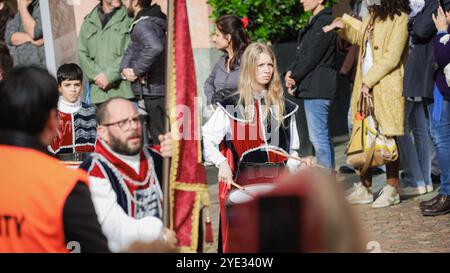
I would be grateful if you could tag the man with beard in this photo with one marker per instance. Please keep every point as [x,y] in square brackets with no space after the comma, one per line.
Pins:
[144,60]
[123,178]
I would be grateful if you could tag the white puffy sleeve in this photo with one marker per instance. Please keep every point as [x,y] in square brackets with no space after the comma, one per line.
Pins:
[295,140]
[294,145]
[120,229]
[213,132]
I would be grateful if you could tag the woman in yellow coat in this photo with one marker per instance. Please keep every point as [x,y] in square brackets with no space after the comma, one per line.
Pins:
[383,39]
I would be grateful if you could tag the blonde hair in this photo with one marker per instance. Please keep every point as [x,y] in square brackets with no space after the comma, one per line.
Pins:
[247,79]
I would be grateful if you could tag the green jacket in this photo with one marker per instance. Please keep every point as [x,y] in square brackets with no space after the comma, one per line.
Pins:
[101,50]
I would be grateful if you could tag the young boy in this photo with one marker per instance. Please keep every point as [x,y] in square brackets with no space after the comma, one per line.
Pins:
[76,132]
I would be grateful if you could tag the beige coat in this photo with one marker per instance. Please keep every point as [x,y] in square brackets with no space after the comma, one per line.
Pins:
[385,78]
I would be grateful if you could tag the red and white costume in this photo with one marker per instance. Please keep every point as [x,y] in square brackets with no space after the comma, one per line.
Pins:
[126,195]
[247,144]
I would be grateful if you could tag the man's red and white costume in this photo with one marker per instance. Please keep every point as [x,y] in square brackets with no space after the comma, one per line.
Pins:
[126,194]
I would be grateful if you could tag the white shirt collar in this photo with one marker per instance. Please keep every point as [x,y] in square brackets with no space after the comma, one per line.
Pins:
[67,107]
[260,95]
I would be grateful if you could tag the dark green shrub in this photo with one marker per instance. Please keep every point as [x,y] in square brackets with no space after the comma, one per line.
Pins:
[269,20]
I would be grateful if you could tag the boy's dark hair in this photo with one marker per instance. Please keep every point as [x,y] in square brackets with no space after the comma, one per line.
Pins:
[144,3]
[27,96]
[69,72]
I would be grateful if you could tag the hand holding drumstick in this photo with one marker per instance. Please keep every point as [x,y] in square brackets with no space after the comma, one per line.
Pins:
[226,176]
[307,162]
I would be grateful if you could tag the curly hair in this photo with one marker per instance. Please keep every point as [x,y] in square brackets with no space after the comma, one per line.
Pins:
[389,8]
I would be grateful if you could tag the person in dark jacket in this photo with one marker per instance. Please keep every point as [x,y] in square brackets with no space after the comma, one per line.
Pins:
[313,78]
[439,111]
[231,38]
[418,86]
[143,63]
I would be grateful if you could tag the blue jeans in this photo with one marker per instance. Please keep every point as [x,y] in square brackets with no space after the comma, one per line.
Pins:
[317,113]
[415,152]
[440,134]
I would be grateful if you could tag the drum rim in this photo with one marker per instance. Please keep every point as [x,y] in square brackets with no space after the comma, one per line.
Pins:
[246,186]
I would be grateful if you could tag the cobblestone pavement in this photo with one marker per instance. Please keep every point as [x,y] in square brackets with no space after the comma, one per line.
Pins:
[397,229]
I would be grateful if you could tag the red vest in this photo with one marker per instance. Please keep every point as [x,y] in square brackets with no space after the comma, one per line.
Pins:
[246,136]
[33,190]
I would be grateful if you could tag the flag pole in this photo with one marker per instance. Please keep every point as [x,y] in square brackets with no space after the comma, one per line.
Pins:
[168,84]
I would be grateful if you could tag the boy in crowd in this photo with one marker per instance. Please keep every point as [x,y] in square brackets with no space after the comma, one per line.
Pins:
[76,132]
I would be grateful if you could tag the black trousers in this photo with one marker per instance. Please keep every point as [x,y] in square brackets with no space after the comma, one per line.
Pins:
[155,107]
[306,147]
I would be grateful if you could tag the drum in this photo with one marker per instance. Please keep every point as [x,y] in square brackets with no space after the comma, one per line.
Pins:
[238,196]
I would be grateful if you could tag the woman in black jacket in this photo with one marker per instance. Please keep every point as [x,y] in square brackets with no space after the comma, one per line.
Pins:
[313,78]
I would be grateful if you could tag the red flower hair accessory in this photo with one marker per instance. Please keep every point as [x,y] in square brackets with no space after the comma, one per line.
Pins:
[245,22]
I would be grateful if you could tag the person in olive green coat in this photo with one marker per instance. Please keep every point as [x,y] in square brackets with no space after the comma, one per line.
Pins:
[103,39]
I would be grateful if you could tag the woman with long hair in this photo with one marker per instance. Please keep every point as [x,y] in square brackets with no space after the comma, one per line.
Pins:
[383,39]
[231,38]
[257,125]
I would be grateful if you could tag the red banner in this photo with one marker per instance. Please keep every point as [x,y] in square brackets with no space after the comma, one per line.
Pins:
[188,186]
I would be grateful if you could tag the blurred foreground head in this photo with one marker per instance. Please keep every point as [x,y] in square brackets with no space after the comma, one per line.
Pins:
[28,103]
[304,213]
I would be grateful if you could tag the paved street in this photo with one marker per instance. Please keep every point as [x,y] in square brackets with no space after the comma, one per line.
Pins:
[397,229]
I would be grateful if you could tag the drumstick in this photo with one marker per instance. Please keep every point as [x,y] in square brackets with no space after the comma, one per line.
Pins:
[242,189]
[293,157]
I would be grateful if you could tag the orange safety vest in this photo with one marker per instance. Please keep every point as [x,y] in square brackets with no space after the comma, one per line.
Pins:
[33,190]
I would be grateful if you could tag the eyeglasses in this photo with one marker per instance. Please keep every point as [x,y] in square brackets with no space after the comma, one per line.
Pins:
[125,124]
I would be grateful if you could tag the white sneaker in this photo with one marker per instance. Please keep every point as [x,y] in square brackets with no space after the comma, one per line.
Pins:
[360,195]
[388,196]
[406,191]
[430,188]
